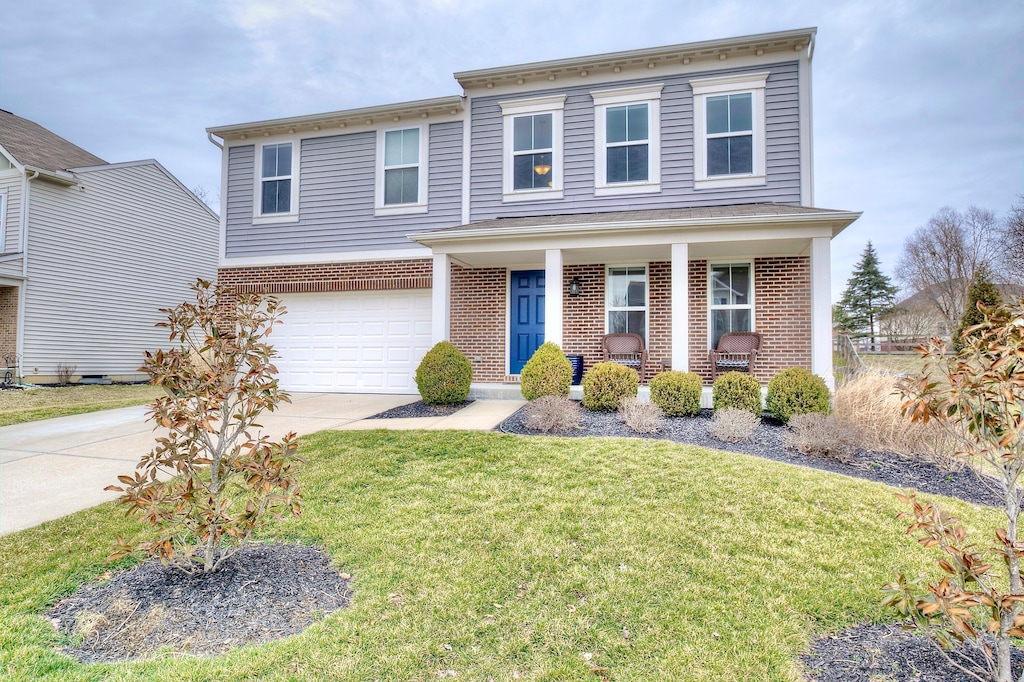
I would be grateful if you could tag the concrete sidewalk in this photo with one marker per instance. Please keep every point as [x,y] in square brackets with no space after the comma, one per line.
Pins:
[58,466]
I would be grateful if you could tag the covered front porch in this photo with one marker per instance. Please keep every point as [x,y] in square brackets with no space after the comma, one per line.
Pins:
[679,278]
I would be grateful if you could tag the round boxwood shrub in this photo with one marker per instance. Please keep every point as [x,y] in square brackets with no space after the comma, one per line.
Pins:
[738,390]
[676,393]
[548,372]
[444,375]
[606,384]
[796,391]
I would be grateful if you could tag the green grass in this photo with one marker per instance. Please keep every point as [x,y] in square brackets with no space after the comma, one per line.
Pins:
[503,557]
[33,404]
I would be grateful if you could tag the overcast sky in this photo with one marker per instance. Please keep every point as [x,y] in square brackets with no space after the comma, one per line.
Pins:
[917,105]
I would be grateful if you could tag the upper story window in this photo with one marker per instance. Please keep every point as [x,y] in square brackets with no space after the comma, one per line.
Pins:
[533,166]
[276,174]
[627,150]
[626,300]
[402,174]
[277,182]
[731,292]
[729,130]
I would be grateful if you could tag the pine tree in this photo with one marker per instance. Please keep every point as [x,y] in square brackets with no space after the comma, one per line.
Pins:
[869,294]
[983,291]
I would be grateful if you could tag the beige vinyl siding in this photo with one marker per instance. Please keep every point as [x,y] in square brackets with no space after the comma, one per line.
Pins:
[104,256]
[10,188]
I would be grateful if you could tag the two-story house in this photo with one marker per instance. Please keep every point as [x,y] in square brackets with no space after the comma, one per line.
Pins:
[664,191]
[89,252]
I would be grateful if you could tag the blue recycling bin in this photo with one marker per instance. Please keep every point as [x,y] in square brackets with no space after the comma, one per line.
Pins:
[577,368]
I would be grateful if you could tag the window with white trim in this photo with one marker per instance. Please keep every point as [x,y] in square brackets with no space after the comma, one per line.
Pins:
[626,300]
[627,150]
[532,165]
[731,299]
[402,171]
[276,186]
[729,130]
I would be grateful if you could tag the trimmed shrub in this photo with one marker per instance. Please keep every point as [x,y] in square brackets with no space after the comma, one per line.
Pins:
[676,393]
[444,375]
[796,391]
[606,384]
[816,434]
[732,425]
[548,372]
[552,413]
[640,415]
[739,390]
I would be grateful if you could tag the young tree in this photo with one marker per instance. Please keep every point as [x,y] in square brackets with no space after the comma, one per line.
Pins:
[941,257]
[1013,240]
[868,295]
[979,601]
[982,291]
[212,479]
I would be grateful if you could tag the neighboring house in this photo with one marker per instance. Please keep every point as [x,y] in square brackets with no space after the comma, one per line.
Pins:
[89,251]
[664,191]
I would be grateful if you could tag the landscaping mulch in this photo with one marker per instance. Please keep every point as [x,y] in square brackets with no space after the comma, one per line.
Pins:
[420,409]
[768,441]
[885,653]
[262,593]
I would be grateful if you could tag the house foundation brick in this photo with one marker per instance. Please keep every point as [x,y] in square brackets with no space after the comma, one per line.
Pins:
[478,319]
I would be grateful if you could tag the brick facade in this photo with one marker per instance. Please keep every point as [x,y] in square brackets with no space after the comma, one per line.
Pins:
[8,320]
[366,276]
[479,307]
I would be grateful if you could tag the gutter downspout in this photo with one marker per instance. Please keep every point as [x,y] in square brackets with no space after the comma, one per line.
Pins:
[209,136]
[19,344]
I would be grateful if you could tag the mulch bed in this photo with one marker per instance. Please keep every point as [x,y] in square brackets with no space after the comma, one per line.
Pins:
[885,653]
[421,409]
[768,441]
[262,593]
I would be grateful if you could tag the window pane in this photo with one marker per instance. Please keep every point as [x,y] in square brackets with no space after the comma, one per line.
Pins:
[410,185]
[636,163]
[616,124]
[542,131]
[411,146]
[393,148]
[284,159]
[627,287]
[740,284]
[269,161]
[637,122]
[401,186]
[636,322]
[720,285]
[636,293]
[718,156]
[617,164]
[718,114]
[741,154]
[276,196]
[617,321]
[526,171]
[740,112]
[522,133]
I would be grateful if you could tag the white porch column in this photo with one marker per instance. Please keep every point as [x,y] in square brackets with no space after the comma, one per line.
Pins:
[440,298]
[821,309]
[681,307]
[553,296]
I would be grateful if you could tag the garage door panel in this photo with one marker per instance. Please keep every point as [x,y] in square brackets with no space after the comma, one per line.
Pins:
[353,341]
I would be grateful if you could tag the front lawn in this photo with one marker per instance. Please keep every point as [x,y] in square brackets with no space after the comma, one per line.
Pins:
[33,404]
[483,556]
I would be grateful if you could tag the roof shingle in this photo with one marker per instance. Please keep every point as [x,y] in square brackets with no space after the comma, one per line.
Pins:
[33,145]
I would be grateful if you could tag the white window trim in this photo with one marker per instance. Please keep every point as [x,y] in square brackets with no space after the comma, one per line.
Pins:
[650,95]
[554,105]
[647,297]
[420,206]
[3,220]
[710,299]
[292,216]
[754,83]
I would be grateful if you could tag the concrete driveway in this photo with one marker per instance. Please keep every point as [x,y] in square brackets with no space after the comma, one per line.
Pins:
[58,466]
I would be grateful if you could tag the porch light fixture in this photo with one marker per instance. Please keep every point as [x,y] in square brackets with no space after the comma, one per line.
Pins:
[575,287]
[542,169]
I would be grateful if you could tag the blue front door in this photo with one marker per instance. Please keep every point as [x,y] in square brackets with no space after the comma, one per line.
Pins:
[526,332]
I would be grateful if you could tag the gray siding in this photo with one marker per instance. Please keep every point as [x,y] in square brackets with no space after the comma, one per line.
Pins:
[336,197]
[103,257]
[10,186]
[782,151]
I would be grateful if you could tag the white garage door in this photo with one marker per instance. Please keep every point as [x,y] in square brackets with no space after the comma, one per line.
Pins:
[363,342]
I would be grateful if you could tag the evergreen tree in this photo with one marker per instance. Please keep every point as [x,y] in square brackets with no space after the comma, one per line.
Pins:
[869,294]
[983,291]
